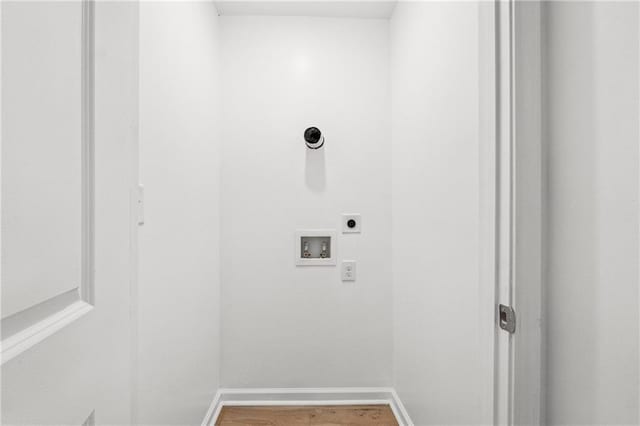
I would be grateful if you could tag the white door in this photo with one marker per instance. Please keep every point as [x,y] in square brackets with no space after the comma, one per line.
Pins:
[69,135]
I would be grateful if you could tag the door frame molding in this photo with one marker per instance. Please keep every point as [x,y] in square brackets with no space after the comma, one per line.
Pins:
[511,208]
[528,211]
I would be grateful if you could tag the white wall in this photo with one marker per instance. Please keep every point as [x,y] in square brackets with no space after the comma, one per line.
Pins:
[284,325]
[434,74]
[178,317]
[591,104]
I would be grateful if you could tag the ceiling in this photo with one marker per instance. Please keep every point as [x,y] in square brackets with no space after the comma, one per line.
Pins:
[329,8]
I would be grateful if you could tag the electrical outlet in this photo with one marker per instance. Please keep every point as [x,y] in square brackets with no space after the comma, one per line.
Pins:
[348,270]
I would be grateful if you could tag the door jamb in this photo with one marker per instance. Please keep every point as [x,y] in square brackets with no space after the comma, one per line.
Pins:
[511,207]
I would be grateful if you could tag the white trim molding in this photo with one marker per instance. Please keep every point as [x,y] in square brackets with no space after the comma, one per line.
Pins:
[88,145]
[14,345]
[513,171]
[306,396]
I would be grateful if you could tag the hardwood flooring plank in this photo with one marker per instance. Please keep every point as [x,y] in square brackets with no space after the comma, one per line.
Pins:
[329,415]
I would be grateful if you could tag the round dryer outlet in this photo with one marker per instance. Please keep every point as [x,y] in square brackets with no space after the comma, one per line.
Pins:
[351,223]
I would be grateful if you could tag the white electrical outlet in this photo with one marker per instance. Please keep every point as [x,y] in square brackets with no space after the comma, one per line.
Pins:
[348,270]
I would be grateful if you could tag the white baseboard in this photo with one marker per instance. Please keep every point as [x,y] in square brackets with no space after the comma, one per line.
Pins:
[307,396]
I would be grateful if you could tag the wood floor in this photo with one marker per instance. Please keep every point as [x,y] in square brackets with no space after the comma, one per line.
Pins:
[326,415]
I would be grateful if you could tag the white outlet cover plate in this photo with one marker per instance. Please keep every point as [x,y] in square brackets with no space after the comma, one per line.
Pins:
[346,217]
[348,270]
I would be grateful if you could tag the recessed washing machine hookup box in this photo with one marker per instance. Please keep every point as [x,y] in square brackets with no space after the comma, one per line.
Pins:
[316,247]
